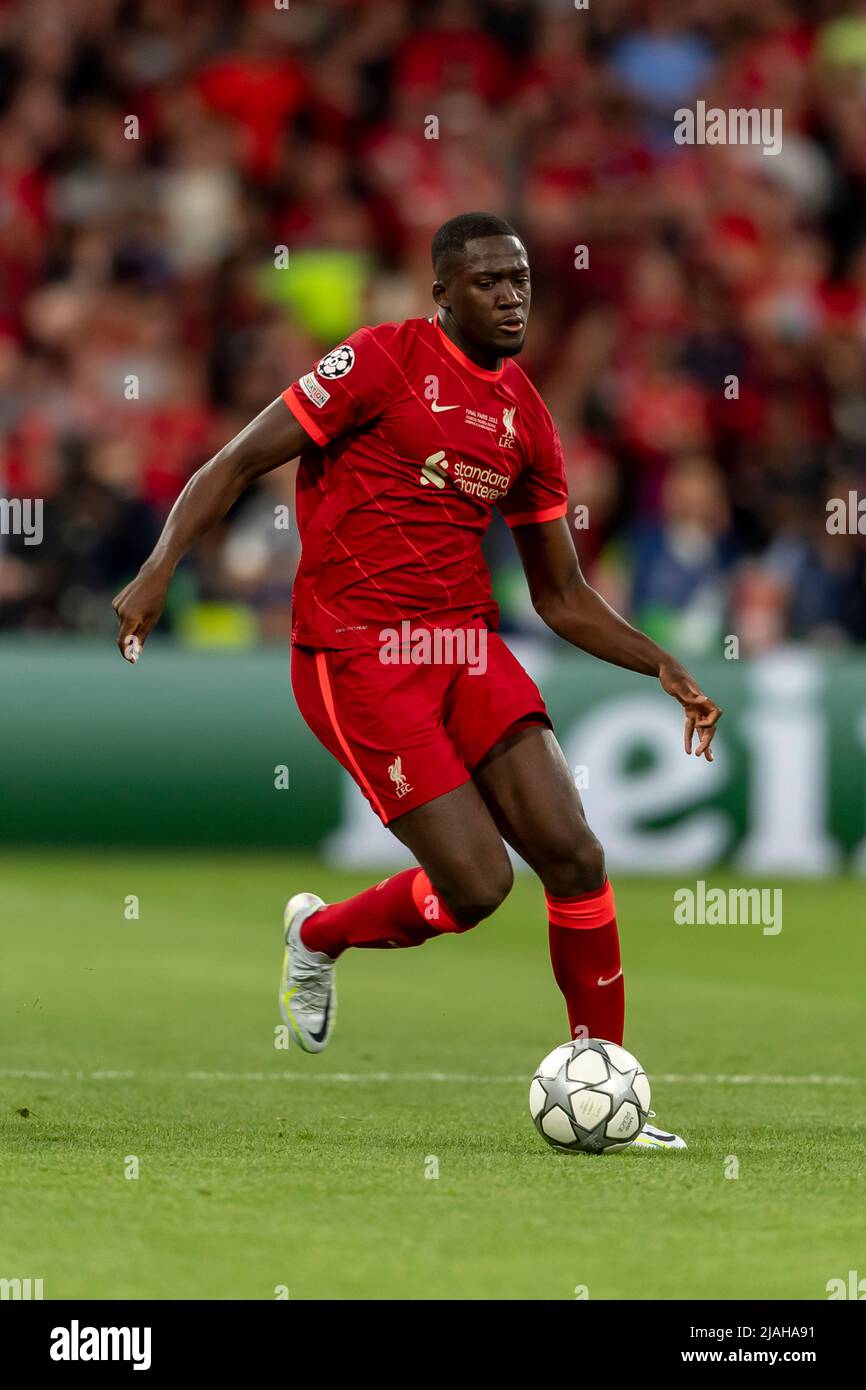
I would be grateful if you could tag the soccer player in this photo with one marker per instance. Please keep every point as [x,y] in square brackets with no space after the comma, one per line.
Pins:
[409,434]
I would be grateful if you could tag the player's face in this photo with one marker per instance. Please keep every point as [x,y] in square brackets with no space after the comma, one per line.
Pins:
[487,296]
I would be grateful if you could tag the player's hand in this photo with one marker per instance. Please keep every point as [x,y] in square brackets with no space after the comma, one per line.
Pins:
[702,715]
[138,607]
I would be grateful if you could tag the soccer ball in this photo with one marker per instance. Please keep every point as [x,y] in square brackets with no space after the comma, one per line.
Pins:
[589,1096]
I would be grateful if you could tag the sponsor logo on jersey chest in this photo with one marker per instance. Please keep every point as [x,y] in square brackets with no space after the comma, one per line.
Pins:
[473,479]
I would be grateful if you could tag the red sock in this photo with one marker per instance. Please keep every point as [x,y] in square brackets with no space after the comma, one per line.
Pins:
[584,952]
[401,911]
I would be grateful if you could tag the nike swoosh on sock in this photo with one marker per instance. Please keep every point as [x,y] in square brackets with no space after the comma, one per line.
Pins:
[602,981]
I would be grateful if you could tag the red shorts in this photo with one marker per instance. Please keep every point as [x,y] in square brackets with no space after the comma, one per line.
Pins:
[409,733]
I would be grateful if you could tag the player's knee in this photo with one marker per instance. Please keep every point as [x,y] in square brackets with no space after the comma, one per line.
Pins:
[475,896]
[575,866]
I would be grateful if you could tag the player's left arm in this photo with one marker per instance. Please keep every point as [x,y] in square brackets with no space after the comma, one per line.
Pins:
[573,610]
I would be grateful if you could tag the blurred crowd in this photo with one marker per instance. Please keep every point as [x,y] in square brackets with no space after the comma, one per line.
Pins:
[705,359]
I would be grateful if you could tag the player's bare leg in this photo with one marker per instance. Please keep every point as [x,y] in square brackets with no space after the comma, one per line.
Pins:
[530,793]
[456,842]
[529,790]
[464,875]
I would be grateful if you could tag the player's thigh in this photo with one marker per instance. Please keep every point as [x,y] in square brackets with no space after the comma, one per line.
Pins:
[384,725]
[382,722]
[528,788]
[455,840]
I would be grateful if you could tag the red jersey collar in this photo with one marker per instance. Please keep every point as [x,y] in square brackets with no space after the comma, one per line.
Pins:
[461,357]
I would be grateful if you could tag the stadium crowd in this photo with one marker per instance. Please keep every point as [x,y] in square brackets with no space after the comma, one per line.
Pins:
[705,358]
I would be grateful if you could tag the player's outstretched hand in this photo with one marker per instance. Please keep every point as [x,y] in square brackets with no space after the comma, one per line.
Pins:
[138,607]
[702,714]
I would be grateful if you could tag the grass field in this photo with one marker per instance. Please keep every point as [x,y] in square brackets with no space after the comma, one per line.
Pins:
[260,1168]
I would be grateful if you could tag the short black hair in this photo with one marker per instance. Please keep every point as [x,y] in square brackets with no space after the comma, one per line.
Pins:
[452,236]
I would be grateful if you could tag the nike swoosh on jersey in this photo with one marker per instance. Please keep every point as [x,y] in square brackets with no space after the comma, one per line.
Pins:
[437,408]
[602,981]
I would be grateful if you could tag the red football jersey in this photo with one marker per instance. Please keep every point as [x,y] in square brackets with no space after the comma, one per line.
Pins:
[413,446]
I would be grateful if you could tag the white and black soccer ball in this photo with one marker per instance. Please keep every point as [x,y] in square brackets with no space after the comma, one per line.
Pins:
[589,1096]
[337,362]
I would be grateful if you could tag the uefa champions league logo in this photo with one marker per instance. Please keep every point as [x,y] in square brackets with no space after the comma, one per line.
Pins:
[337,362]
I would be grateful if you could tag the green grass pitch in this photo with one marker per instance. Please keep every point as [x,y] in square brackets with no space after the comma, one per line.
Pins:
[260,1168]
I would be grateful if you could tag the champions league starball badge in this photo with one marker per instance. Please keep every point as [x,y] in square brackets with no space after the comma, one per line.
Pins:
[337,362]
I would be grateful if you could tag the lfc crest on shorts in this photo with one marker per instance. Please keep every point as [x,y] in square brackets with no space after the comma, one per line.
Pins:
[395,772]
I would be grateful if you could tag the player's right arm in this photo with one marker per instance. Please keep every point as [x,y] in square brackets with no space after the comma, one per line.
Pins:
[271,439]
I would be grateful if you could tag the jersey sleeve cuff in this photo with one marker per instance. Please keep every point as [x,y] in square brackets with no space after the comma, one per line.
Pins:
[304,418]
[526,518]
